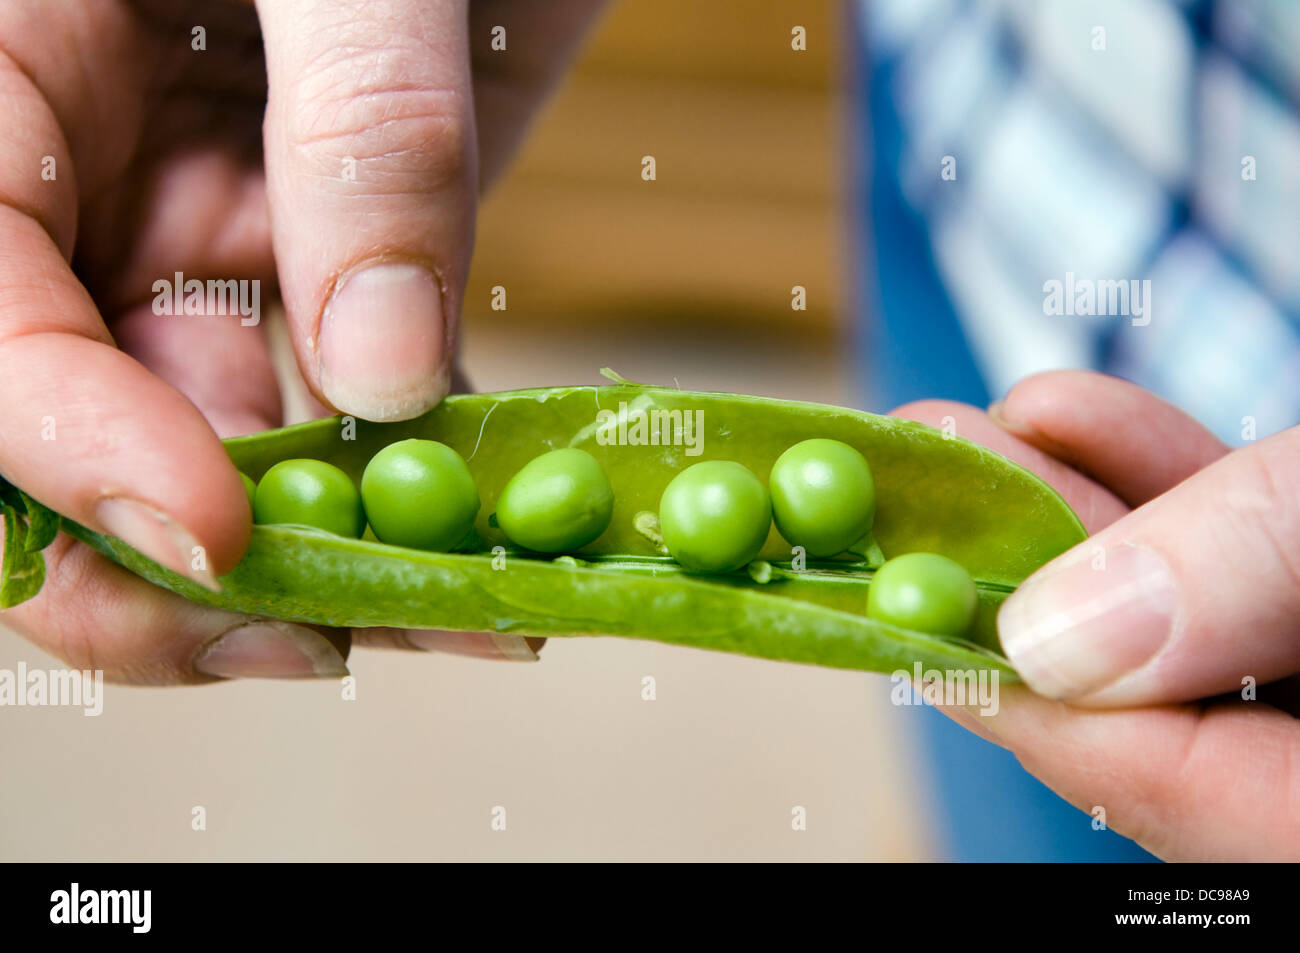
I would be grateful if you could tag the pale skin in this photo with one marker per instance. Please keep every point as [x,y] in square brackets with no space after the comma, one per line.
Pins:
[164,164]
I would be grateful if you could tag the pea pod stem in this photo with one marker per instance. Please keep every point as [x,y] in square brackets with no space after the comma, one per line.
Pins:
[870,551]
[646,524]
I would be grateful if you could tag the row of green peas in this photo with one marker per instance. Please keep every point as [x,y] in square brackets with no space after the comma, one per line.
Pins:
[714,516]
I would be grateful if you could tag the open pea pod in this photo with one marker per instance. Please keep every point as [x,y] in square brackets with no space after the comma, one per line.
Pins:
[935,493]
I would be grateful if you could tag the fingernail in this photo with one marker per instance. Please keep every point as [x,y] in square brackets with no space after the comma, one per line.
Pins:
[271,650]
[974,721]
[1084,625]
[156,535]
[514,647]
[997,415]
[485,645]
[383,353]
[1029,433]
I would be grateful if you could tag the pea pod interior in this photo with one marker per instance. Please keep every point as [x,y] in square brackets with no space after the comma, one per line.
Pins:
[934,493]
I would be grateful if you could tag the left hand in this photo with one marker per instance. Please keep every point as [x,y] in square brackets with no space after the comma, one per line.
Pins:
[1189,589]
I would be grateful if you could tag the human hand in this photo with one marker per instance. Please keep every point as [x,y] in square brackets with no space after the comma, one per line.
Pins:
[1141,644]
[330,149]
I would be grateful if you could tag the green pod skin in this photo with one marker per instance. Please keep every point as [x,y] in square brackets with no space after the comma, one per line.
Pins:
[557,503]
[419,494]
[823,496]
[715,516]
[934,494]
[925,592]
[249,487]
[309,493]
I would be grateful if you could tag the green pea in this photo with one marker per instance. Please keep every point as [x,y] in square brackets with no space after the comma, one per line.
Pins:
[249,486]
[557,502]
[420,494]
[309,493]
[924,592]
[714,516]
[823,496]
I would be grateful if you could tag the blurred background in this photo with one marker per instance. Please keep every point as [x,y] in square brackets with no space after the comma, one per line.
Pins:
[686,278]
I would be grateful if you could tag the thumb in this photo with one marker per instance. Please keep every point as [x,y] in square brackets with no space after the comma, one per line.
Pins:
[372,182]
[1181,599]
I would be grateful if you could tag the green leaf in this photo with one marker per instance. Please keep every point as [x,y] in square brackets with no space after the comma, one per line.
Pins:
[22,571]
[10,494]
[42,524]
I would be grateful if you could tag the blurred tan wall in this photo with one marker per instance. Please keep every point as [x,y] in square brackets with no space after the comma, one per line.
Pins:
[742,132]
[685,278]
